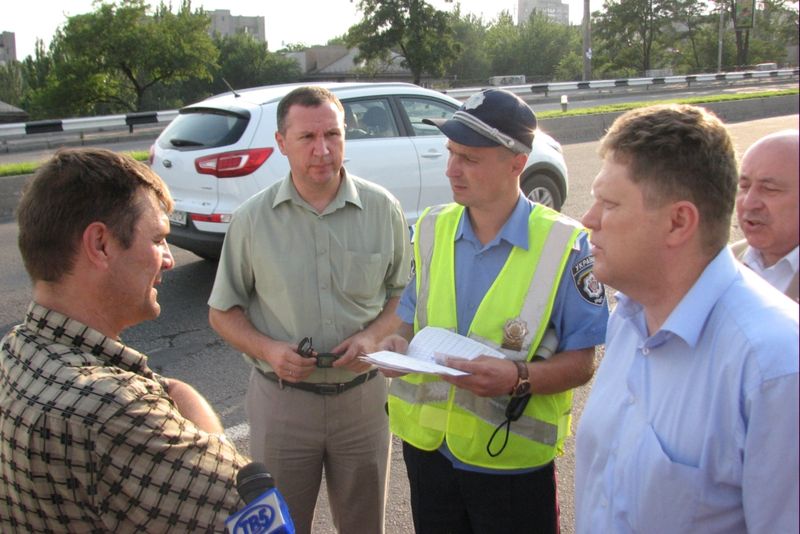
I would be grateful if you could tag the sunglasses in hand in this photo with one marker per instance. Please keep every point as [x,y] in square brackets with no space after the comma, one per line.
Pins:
[306,350]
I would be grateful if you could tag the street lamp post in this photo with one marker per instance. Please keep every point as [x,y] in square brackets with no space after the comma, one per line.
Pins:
[587,41]
[721,35]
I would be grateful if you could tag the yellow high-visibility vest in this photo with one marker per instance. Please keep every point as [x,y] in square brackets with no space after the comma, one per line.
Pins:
[424,410]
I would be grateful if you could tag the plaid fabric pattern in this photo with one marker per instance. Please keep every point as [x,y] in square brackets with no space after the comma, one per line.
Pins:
[91,442]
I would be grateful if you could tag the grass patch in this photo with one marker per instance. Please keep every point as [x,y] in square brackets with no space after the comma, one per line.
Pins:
[15,169]
[625,106]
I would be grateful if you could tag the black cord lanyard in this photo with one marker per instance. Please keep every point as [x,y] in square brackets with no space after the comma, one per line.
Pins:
[513,412]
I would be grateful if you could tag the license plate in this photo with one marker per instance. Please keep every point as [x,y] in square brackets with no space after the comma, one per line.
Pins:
[178,217]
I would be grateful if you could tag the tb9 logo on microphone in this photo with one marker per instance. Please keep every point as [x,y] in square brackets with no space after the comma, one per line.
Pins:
[257,520]
[266,511]
[265,515]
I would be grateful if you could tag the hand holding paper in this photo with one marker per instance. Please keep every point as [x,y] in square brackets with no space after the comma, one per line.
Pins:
[427,349]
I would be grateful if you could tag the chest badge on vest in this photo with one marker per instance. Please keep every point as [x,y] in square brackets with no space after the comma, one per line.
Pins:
[514,333]
[589,287]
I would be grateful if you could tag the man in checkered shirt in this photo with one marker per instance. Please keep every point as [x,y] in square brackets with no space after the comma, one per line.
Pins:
[91,439]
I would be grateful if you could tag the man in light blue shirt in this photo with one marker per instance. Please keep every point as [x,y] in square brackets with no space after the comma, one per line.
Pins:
[692,422]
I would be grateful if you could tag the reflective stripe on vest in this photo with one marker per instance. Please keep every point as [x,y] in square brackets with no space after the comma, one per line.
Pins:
[425,239]
[423,409]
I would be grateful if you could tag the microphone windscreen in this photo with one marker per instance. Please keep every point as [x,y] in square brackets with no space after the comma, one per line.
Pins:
[252,480]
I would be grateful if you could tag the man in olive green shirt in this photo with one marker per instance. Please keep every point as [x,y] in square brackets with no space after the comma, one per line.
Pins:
[325,255]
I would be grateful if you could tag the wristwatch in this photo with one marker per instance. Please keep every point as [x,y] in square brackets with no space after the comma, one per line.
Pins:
[523,386]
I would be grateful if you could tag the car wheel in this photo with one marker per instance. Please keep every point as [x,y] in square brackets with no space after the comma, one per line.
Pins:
[542,189]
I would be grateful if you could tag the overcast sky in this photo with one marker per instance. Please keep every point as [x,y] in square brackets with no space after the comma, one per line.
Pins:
[287,21]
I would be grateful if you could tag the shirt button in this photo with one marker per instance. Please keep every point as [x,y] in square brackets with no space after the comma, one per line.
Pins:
[645,351]
[631,400]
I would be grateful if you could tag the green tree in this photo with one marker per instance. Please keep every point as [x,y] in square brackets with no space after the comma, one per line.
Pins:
[246,62]
[570,67]
[294,47]
[421,34]
[107,60]
[534,48]
[630,25]
[472,64]
[742,35]
[502,44]
[681,35]
[37,68]
[12,84]
[543,43]
[776,26]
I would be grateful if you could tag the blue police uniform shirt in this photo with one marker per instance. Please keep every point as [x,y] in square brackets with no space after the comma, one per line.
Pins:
[693,428]
[578,317]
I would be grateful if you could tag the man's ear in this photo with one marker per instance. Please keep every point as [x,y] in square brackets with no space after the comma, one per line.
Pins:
[518,163]
[95,244]
[684,223]
[281,142]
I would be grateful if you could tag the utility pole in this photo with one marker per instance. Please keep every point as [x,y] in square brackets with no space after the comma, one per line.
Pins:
[721,35]
[587,41]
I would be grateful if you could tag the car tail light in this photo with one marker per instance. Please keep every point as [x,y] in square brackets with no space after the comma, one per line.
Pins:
[213,217]
[151,156]
[232,164]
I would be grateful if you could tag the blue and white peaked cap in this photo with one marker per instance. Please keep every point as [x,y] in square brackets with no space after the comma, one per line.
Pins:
[493,117]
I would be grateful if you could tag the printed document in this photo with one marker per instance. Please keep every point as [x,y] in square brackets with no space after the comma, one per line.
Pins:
[427,351]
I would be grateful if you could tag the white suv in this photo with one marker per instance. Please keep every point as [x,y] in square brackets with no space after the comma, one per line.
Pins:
[220,151]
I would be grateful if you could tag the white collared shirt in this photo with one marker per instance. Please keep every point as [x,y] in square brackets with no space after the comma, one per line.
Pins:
[779,275]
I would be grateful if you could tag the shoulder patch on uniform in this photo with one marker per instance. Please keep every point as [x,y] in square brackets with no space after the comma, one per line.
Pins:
[589,287]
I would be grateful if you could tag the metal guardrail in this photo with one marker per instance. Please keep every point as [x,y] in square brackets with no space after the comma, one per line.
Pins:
[83,124]
[132,119]
[547,88]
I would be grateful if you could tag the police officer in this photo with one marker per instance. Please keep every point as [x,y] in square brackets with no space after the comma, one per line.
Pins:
[517,276]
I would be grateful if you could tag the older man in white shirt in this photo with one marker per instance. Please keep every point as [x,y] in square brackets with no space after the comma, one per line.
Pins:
[767,209]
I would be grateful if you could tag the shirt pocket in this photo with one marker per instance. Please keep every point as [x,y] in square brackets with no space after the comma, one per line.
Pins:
[656,493]
[362,273]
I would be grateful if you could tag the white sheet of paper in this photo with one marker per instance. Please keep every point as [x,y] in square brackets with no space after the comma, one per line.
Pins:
[400,362]
[428,348]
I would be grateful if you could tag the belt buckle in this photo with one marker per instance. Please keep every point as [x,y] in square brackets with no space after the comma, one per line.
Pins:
[329,389]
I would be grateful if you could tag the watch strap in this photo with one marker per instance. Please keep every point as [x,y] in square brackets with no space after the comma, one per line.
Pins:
[523,385]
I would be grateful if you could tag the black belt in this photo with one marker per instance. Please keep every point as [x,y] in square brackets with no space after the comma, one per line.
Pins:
[321,389]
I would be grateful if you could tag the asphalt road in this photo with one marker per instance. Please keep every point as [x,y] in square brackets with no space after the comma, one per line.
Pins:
[181,344]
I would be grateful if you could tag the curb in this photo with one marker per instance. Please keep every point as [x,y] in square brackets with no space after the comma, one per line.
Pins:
[583,128]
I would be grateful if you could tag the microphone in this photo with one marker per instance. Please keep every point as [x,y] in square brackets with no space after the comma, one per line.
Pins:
[265,512]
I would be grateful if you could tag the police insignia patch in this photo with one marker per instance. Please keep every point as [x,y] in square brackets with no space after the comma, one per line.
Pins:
[474,101]
[589,287]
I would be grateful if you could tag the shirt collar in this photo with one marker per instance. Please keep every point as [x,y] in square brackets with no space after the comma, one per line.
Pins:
[753,259]
[347,192]
[514,231]
[59,328]
[688,318]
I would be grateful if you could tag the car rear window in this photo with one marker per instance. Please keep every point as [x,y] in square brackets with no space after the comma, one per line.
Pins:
[198,128]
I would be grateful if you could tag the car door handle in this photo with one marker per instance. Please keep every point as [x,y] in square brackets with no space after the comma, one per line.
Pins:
[432,154]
